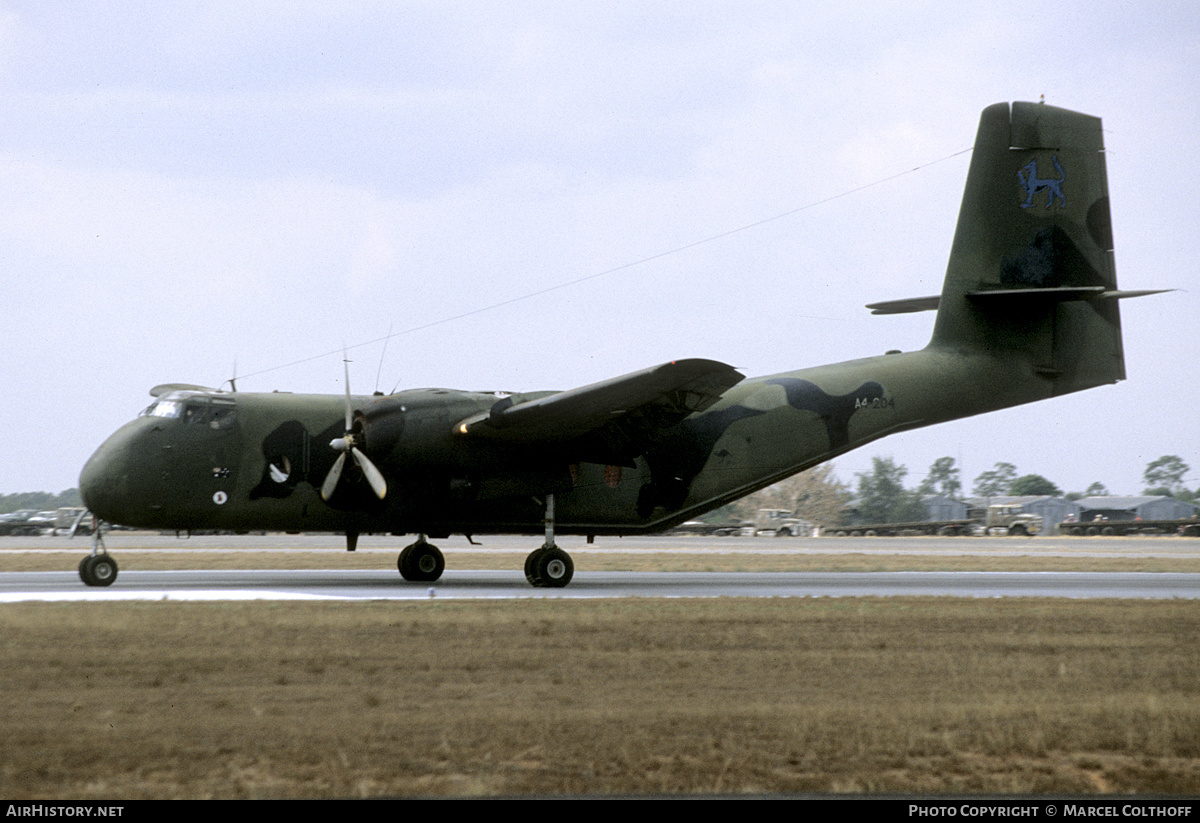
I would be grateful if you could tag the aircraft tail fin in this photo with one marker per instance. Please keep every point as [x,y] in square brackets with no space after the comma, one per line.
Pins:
[1031,276]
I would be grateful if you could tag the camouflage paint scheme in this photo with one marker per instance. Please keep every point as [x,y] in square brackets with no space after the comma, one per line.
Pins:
[1028,311]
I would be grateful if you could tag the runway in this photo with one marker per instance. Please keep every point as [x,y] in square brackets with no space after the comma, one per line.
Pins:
[326,584]
[323,579]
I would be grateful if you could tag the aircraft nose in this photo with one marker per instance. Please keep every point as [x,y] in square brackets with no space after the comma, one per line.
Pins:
[104,481]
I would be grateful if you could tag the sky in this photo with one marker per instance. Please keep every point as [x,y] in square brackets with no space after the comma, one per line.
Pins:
[540,195]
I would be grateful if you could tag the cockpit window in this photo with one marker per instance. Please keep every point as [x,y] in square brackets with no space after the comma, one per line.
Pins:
[165,408]
[224,415]
[195,409]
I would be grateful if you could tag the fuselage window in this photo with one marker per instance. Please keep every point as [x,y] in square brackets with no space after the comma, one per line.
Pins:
[223,416]
[195,412]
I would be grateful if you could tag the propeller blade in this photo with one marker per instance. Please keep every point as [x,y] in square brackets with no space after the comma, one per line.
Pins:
[331,479]
[345,444]
[346,365]
[373,475]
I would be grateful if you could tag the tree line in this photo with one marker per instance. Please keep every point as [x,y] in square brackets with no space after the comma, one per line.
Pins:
[881,496]
[39,501]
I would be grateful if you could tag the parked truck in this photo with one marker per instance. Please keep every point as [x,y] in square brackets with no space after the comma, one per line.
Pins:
[778,523]
[1189,527]
[771,522]
[998,518]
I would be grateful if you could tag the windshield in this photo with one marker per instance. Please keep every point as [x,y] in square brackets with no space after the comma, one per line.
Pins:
[196,409]
[165,408]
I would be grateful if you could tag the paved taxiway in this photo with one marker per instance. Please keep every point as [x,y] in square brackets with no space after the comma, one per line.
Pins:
[330,582]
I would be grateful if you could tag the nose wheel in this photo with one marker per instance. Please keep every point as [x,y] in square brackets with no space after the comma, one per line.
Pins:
[98,570]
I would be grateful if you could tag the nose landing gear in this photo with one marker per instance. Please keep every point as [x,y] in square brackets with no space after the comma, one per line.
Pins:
[98,568]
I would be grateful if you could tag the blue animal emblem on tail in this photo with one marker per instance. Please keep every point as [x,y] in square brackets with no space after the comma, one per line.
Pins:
[1028,175]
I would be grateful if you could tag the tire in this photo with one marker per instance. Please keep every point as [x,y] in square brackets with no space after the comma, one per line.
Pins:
[531,560]
[550,568]
[1017,531]
[421,563]
[98,570]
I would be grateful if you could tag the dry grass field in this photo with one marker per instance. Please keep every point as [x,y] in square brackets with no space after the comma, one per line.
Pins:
[443,698]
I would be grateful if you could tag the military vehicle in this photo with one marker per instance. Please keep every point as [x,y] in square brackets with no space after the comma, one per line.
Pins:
[780,523]
[21,523]
[998,518]
[1186,527]
[1009,518]
[1028,311]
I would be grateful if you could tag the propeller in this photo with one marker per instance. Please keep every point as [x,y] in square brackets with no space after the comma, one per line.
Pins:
[348,444]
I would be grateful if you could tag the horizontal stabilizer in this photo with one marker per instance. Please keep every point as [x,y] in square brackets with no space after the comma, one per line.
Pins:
[915,304]
[907,306]
[1058,294]
[1122,294]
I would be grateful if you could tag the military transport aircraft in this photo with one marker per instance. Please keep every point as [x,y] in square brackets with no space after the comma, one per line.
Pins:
[1028,311]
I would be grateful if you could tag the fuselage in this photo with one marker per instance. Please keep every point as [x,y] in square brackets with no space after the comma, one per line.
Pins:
[242,461]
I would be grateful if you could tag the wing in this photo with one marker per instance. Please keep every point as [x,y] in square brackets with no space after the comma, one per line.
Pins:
[612,421]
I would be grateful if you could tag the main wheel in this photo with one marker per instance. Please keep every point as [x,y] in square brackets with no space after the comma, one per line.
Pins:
[98,570]
[421,563]
[529,561]
[549,568]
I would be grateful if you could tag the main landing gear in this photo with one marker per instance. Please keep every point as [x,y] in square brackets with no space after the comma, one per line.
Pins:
[421,562]
[549,567]
[98,568]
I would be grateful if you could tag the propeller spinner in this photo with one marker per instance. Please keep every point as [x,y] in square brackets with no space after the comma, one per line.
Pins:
[348,443]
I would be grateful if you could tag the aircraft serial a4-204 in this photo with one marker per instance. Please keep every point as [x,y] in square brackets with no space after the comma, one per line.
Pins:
[1028,311]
